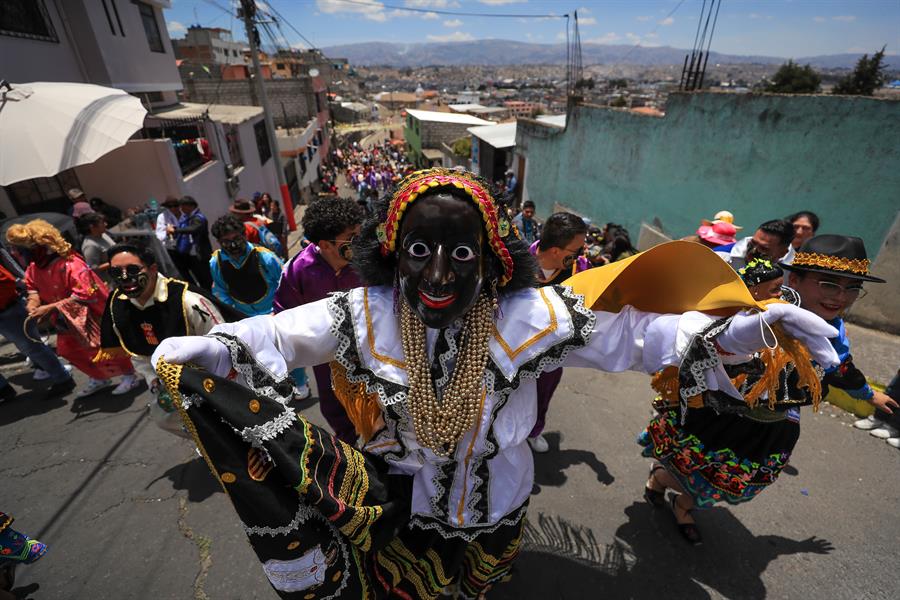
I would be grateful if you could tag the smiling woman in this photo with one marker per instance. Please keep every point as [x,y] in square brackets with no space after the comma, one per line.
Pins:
[442,347]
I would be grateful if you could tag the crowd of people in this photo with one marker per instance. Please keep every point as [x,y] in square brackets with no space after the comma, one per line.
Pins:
[370,172]
[393,300]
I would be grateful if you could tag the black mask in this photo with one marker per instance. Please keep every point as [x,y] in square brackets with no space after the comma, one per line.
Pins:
[131,280]
[235,247]
[441,269]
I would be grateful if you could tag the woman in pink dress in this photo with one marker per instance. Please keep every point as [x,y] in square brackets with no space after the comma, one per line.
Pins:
[63,289]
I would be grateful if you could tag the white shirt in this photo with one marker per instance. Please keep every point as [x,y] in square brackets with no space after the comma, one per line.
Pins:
[163,219]
[491,472]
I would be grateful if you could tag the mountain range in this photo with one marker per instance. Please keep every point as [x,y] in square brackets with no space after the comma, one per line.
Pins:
[509,52]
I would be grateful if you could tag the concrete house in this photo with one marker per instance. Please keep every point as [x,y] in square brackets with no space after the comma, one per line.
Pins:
[427,130]
[214,153]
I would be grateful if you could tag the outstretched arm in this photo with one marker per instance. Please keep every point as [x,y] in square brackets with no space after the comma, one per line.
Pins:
[299,337]
[642,341]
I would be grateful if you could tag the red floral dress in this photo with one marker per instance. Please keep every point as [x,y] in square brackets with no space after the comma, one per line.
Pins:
[72,280]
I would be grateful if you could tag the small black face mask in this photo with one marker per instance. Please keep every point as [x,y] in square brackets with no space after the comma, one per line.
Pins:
[346,251]
[234,247]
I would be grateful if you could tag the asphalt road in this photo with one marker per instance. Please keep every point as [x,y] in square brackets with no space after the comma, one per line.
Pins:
[130,512]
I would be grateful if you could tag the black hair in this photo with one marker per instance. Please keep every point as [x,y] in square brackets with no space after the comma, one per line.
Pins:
[527,204]
[142,252]
[559,229]
[85,222]
[326,218]
[225,225]
[376,269]
[813,218]
[188,200]
[779,227]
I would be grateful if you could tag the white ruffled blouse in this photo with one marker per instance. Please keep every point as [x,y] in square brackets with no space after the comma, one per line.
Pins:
[490,474]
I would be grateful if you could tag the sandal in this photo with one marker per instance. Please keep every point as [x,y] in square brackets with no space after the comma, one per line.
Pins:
[689,531]
[657,499]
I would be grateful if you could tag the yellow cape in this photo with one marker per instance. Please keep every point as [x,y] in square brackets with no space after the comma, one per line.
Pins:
[670,278]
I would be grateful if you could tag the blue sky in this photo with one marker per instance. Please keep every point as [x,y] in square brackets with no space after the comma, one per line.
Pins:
[788,28]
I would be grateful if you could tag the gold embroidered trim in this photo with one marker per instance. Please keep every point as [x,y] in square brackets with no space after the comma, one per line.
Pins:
[512,354]
[170,377]
[370,334]
[811,259]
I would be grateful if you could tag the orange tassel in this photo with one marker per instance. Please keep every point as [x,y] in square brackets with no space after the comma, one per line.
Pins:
[362,407]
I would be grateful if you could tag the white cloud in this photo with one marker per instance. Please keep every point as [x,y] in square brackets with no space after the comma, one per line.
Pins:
[587,21]
[456,36]
[819,19]
[431,16]
[758,16]
[606,38]
[561,36]
[651,35]
[844,18]
[431,3]
[501,1]
[584,10]
[644,18]
[175,28]
[667,21]
[453,23]
[633,38]
[364,7]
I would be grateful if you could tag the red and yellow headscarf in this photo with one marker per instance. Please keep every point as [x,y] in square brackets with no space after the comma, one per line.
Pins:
[415,186]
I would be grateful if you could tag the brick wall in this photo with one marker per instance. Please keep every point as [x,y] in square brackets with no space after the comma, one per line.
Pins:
[292,100]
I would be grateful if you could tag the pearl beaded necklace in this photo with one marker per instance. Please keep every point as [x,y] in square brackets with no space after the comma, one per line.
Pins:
[441,424]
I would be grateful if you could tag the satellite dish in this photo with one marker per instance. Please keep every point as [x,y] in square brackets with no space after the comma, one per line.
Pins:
[313,72]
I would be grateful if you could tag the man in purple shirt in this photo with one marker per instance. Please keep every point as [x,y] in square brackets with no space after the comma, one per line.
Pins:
[321,268]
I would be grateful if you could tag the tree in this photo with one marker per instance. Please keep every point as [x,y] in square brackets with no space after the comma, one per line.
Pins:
[791,78]
[867,77]
[462,147]
[618,102]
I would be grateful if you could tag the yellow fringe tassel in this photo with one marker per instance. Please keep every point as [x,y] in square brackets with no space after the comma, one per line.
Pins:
[789,350]
[362,407]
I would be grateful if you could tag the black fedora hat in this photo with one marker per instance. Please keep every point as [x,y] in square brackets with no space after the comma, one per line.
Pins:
[841,255]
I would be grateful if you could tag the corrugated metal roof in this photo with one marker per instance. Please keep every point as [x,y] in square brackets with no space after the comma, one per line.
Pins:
[502,135]
[442,117]
[225,113]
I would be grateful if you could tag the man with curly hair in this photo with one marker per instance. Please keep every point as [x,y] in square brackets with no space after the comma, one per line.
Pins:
[321,268]
[245,276]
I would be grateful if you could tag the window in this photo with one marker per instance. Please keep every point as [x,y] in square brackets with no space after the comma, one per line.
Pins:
[234,146]
[279,66]
[151,27]
[43,194]
[262,141]
[27,19]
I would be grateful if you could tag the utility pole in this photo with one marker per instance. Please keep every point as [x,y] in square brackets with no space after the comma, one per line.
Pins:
[248,11]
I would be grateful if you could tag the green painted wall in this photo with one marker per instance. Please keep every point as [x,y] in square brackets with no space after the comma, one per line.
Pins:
[413,143]
[759,156]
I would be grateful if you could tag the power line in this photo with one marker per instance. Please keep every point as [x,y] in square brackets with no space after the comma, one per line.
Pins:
[282,19]
[452,12]
[652,31]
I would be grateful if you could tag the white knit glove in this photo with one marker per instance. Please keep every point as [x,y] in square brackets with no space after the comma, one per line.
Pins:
[751,332]
[206,352]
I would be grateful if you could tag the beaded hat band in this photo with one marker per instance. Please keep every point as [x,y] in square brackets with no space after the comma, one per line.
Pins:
[419,183]
[836,263]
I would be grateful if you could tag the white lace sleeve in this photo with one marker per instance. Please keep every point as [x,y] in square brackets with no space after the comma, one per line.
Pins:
[298,337]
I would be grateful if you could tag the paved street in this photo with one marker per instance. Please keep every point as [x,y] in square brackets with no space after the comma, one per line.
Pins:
[131,512]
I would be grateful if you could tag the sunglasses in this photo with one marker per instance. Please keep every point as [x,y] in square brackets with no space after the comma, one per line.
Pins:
[235,244]
[125,273]
[570,259]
